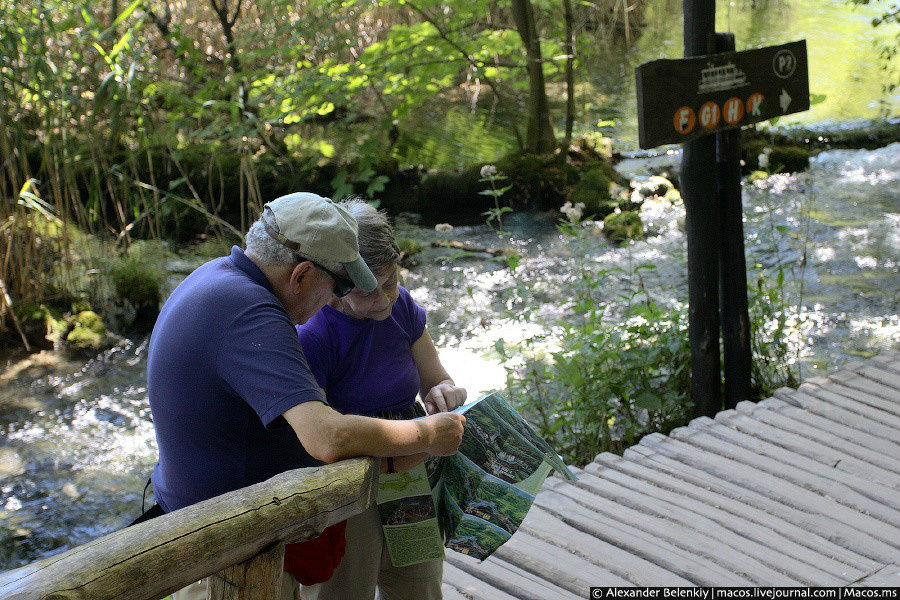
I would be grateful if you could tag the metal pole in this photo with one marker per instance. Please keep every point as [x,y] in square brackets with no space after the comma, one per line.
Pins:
[733,264]
[699,190]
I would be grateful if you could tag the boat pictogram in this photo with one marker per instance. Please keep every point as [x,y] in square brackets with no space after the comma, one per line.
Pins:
[725,77]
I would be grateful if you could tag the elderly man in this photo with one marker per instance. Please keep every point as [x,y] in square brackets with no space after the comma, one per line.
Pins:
[232,396]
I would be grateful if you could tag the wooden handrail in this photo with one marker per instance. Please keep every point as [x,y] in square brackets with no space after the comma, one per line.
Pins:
[157,557]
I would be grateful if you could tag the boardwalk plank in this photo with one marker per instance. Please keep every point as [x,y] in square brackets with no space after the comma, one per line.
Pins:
[883,468]
[730,431]
[638,571]
[780,490]
[644,514]
[801,447]
[677,559]
[448,592]
[830,394]
[839,430]
[719,439]
[806,545]
[851,389]
[472,587]
[707,537]
[884,395]
[888,576]
[883,375]
[509,578]
[549,562]
[838,414]
[844,535]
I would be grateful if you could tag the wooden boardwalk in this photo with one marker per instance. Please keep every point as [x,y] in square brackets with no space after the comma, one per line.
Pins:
[802,489]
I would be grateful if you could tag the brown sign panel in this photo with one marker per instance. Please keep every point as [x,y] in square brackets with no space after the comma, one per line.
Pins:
[683,99]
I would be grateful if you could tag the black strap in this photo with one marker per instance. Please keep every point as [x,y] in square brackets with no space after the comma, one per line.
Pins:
[154,511]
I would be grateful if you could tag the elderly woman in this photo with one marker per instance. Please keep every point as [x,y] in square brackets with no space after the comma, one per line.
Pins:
[372,354]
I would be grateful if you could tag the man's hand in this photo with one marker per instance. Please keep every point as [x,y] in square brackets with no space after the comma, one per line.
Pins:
[444,397]
[445,431]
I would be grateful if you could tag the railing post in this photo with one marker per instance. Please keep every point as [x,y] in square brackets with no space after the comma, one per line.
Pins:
[256,579]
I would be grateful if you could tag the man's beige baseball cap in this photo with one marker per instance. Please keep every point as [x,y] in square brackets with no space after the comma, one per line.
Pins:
[320,230]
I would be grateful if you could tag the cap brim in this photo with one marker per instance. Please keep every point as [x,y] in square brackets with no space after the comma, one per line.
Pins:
[358,272]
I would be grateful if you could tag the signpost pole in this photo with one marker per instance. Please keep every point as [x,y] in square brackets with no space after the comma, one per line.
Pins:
[733,264]
[699,190]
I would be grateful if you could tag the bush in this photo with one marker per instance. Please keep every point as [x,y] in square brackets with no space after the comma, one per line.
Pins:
[137,279]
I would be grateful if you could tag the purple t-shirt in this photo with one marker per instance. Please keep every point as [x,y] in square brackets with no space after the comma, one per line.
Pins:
[365,366]
[223,366]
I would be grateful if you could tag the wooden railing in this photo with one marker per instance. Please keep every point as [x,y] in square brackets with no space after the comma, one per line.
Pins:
[240,536]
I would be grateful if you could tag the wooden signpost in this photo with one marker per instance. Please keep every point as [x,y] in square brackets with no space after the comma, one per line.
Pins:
[701,101]
[683,99]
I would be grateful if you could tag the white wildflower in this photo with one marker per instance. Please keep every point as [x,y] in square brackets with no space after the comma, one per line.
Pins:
[443,227]
[488,171]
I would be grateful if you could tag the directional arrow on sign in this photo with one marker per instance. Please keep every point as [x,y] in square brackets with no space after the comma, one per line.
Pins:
[785,100]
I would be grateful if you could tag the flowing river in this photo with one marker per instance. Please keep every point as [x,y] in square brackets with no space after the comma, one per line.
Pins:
[77,440]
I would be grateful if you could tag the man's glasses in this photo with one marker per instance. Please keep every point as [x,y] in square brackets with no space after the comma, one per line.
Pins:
[342,285]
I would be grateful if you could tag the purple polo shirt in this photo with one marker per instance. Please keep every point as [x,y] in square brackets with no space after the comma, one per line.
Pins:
[365,366]
[224,364]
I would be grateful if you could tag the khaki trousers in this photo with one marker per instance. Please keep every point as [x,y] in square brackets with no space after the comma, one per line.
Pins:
[290,590]
[367,565]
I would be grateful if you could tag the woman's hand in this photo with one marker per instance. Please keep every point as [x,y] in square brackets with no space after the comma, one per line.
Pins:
[444,397]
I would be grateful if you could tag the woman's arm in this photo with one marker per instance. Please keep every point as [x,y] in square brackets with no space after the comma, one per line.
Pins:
[439,393]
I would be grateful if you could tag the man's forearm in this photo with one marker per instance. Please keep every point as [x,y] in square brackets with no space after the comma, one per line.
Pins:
[365,436]
[330,436]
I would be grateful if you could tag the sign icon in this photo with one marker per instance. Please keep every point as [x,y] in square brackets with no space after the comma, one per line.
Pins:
[725,77]
[733,111]
[785,100]
[709,115]
[753,104]
[784,63]
[684,120]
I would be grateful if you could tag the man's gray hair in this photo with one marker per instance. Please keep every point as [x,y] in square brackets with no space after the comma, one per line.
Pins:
[270,251]
[377,245]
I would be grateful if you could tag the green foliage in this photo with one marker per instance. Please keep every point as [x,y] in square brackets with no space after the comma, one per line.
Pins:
[623,226]
[618,368]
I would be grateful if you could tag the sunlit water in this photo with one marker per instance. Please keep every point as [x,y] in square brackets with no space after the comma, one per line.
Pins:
[78,443]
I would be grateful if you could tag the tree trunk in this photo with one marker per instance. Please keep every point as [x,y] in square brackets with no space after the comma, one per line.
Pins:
[570,74]
[540,137]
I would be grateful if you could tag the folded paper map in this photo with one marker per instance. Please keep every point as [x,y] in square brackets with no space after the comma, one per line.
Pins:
[473,501]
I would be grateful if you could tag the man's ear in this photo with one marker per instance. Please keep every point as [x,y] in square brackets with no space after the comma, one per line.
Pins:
[299,271]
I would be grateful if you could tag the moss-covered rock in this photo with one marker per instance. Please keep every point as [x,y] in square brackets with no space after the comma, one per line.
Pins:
[781,158]
[84,339]
[88,319]
[408,251]
[623,226]
[593,191]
